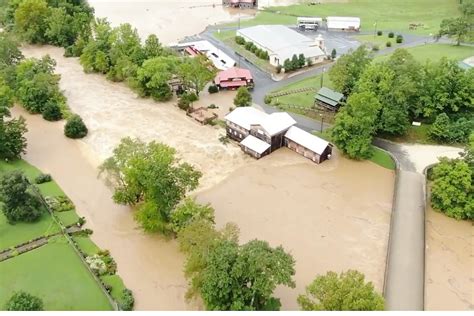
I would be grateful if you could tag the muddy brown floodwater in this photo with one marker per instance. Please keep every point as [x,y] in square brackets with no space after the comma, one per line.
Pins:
[333,216]
[449,283]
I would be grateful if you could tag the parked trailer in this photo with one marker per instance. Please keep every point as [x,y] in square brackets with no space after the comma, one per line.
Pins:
[309,23]
[343,23]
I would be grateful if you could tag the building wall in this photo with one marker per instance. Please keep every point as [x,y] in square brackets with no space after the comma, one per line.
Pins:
[235,131]
[305,152]
[253,153]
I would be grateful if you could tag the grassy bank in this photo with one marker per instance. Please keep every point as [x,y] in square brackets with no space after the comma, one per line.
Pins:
[390,15]
[53,272]
[435,52]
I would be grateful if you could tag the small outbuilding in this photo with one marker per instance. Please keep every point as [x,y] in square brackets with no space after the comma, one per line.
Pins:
[255,147]
[234,78]
[328,98]
[308,145]
[342,23]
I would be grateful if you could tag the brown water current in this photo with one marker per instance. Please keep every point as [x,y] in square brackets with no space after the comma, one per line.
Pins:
[449,283]
[334,216]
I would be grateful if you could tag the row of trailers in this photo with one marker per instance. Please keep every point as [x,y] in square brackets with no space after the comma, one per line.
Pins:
[335,23]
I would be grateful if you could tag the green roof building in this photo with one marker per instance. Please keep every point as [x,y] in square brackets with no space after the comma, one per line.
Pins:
[328,98]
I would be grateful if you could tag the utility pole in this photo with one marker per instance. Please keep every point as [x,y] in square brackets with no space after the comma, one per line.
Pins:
[322,121]
[375,28]
[322,77]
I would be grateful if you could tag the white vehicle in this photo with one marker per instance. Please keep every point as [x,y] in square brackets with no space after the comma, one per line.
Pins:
[309,23]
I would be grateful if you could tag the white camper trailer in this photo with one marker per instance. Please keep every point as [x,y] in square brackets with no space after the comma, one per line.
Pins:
[341,23]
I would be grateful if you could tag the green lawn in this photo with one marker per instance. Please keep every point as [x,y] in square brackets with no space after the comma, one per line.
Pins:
[67,218]
[12,235]
[55,274]
[390,15]
[86,245]
[434,52]
[117,286]
[380,41]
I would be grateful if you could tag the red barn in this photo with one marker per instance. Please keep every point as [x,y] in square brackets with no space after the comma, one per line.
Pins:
[233,78]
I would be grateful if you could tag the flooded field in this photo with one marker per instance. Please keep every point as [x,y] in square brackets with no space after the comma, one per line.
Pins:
[333,216]
[449,283]
[112,111]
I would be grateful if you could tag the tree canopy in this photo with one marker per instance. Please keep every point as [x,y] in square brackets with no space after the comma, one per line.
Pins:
[347,291]
[243,97]
[23,301]
[151,177]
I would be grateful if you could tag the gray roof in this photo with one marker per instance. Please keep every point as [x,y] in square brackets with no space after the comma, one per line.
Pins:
[329,96]
[281,40]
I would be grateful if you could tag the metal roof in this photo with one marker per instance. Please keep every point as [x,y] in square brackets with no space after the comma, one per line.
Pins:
[329,96]
[257,145]
[246,116]
[277,122]
[307,140]
[281,40]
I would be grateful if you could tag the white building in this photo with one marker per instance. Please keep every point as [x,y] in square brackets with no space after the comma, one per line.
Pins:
[218,58]
[282,43]
[343,23]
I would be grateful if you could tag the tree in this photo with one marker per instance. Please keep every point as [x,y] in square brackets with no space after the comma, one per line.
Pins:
[345,292]
[355,125]
[243,97]
[12,139]
[287,65]
[333,53]
[30,19]
[153,47]
[20,202]
[95,57]
[244,277]
[9,52]
[441,128]
[195,73]
[151,177]
[75,127]
[154,75]
[468,154]
[59,27]
[347,70]
[457,28]
[22,301]
[52,112]
[189,211]
[301,60]
[453,192]
[295,63]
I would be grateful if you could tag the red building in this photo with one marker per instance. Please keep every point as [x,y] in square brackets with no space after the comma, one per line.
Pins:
[233,78]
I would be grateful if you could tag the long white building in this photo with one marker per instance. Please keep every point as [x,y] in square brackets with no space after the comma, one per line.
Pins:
[343,23]
[282,43]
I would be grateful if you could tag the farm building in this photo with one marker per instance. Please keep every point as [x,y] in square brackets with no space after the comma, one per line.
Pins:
[281,43]
[328,98]
[341,23]
[234,78]
[243,4]
[308,145]
[219,59]
[259,134]
[309,23]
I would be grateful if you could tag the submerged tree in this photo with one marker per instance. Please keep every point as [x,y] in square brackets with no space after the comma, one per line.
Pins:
[243,97]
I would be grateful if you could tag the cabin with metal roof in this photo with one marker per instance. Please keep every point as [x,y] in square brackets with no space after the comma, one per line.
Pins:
[308,145]
[234,78]
[328,98]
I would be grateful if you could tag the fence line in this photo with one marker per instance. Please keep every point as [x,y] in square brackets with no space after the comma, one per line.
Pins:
[292,91]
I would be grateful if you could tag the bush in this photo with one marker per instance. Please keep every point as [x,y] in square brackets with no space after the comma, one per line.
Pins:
[127,300]
[22,301]
[278,69]
[375,48]
[43,178]
[213,89]
[391,35]
[212,106]
[184,103]
[267,99]
[333,53]
[52,112]
[388,44]
[399,39]
[240,40]
[379,33]
[75,127]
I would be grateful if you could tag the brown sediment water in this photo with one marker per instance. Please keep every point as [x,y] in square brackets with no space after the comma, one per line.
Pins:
[150,266]
[449,283]
[112,111]
[333,216]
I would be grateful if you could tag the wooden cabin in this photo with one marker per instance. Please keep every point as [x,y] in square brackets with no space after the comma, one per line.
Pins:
[328,99]
[308,145]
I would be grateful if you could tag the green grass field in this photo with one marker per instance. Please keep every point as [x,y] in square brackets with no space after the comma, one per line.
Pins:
[435,52]
[86,245]
[55,274]
[380,41]
[390,15]
[117,286]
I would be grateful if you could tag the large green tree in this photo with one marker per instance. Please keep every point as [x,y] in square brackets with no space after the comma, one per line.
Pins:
[154,75]
[457,28]
[151,177]
[356,124]
[345,292]
[94,56]
[30,20]
[452,191]
[243,97]
[347,70]
[20,202]
[195,73]
[189,211]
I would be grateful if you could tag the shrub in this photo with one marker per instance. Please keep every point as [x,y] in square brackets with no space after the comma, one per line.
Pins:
[240,40]
[375,48]
[212,106]
[379,33]
[96,264]
[388,44]
[192,97]
[127,300]
[59,204]
[278,69]
[391,35]
[399,39]
[22,301]
[188,211]
[52,112]
[43,178]
[248,45]
[213,89]
[333,53]
[267,99]
[75,127]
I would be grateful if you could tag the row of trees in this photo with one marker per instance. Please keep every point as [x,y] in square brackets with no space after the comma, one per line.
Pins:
[384,98]
[296,62]
[251,47]
[452,190]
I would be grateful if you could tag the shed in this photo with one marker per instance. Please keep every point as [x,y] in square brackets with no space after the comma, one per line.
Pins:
[254,146]
[328,98]
[308,145]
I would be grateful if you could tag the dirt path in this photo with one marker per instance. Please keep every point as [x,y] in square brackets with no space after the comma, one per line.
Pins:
[333,216]
[151,267]
[112,111]
[449,263]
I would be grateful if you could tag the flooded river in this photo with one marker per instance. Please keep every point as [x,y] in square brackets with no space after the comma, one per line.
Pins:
[333,216]
[449,283]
